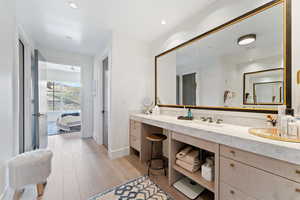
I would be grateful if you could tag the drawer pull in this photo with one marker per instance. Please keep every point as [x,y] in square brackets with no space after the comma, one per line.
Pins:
[297,171]
[232,152]
[298,190]
[232,192]
[231,165]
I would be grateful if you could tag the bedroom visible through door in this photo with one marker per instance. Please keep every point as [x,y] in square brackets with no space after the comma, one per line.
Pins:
[63,98]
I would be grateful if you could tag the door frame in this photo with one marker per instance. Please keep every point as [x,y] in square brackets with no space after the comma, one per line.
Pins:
[28,51]
[98,98]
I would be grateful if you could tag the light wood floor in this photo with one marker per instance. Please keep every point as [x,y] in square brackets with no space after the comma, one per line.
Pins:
[81,169]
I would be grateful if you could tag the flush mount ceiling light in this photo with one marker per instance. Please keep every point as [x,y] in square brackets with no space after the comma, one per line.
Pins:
[246,39]
[163,22]
[73,5]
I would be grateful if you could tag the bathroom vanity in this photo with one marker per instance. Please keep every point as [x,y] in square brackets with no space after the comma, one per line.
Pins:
[247,167]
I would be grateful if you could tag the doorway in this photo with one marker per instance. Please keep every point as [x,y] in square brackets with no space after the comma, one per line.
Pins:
[189,89]
[105,79]
[21,97]
[62,96]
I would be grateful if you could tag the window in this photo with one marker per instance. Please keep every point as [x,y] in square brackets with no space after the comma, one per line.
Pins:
[63,96]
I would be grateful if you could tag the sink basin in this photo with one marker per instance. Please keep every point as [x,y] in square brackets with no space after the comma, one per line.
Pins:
[271,133]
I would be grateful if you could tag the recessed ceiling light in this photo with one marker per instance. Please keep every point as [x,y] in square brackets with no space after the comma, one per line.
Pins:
[246,39]
[73,5]
[163,22]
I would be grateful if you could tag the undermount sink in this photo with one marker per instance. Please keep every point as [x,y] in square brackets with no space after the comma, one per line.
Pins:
[271,133]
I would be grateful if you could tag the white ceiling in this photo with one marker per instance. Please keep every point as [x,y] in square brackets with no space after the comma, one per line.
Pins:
[90,26]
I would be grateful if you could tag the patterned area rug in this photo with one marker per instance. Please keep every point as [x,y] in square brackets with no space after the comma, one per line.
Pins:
[141,188]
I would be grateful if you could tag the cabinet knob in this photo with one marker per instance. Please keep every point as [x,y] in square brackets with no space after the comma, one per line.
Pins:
[232,152]
[297,190]
[231,192]
[231,165]
[297,171]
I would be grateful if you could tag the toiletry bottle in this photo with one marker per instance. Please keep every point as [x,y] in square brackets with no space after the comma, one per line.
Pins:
[291,127]
[190,115]
[156,110]
[281,114]
[207,170]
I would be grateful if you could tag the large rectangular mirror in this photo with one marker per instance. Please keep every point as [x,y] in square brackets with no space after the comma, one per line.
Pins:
[208,72]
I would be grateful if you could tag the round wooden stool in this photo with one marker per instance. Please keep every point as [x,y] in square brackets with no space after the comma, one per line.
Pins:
[156,137]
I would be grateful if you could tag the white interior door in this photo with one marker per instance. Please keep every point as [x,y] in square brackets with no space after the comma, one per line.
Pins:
[39,74]
[105,101]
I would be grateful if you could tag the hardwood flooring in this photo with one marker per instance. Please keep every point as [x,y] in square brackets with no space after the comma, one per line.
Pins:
[81,169]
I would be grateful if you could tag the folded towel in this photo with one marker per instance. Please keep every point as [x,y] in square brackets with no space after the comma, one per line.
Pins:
[184,152]
[192,157]
[187,166]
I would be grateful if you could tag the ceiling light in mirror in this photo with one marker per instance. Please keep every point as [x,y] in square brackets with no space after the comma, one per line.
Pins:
[163,22]
[247,39]
[73,5]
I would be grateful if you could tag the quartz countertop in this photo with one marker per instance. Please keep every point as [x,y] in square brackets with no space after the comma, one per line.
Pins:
[226,134]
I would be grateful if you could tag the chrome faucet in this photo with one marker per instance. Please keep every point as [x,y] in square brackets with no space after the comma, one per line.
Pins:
[219,121]
[207,119]
[210,119]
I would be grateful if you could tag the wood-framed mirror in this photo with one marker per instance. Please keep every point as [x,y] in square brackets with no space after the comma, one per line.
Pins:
[207,72]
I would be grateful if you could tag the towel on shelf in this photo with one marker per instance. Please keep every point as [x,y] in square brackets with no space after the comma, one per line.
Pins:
[192,157]
[187,166]
[184,152]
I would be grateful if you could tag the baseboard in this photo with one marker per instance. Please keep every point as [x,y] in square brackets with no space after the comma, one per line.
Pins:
[113,154]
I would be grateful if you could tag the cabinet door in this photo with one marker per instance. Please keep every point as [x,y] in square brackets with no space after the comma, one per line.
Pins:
[135,128]
[135,143]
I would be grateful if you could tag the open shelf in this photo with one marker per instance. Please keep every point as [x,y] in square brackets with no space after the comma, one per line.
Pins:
[196,177]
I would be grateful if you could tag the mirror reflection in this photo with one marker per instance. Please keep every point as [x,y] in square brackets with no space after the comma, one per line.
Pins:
[264,87]
[210,71]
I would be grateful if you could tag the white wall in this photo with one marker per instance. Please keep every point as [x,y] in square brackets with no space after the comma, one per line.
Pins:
[130,83]
[63,76]
[7,50]
[86,64]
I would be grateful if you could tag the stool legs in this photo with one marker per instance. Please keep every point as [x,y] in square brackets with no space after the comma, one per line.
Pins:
[40,188]
[151,159]
[150,162]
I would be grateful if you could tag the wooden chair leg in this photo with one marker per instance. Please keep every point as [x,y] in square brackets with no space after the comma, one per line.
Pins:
[18,194]
[40,189]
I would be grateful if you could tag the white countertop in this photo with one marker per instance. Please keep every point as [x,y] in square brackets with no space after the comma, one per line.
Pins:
[230,135]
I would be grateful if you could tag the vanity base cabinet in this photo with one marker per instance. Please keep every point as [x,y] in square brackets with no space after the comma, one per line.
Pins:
[179,140]
[255,182]
[135,131]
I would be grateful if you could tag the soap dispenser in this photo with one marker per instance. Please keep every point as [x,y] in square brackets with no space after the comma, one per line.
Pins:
[189,114]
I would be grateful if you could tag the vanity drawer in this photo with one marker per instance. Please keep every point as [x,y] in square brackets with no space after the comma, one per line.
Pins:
[196,142]
[135,142]
[284,169]
[229,193]
[257,183]
[135,128]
